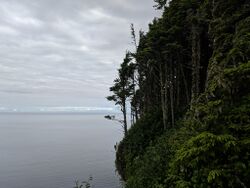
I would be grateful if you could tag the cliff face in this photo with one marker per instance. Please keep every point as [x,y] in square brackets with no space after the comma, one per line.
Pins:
[194,130]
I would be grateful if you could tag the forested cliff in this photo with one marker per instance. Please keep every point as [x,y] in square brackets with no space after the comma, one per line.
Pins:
[188,85]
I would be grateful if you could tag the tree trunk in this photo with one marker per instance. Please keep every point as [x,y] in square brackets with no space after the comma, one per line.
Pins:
[163,86]
[172,104]
[185,84]
[132,116]
[196,52]
[172,94]
[136,113]
[178,85]
[134,108]
[124,110]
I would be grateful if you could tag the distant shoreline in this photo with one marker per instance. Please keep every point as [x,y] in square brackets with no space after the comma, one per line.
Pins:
[58,113]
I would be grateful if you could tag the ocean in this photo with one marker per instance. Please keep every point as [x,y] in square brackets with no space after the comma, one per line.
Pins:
[44,150]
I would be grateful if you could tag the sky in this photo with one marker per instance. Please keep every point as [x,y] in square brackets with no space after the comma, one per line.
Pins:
[65,53]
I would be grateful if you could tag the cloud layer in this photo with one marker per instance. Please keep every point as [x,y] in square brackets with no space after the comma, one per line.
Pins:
[64,53]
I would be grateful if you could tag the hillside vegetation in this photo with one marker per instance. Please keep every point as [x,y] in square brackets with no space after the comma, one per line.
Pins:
[188,84]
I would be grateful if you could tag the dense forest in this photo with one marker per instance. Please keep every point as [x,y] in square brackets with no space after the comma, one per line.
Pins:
[188,86]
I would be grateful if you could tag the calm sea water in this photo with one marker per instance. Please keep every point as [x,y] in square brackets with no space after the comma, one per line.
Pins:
[54,150]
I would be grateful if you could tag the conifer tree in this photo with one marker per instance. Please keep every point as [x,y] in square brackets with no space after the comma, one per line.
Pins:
[122,88]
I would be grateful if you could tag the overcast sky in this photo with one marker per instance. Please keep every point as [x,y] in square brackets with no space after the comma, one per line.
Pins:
[65,52]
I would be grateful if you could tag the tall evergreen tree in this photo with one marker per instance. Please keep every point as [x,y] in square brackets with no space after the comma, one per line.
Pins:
[123,88]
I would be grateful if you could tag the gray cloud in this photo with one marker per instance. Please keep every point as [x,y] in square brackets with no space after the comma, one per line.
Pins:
[64,52]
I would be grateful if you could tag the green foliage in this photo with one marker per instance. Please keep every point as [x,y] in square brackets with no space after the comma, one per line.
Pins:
[140,135]
[198,161]
[202,45]
[150,168]
[123,88]
[160,3]
[84,184]
[122,85]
